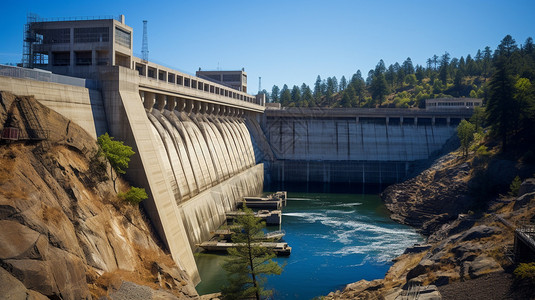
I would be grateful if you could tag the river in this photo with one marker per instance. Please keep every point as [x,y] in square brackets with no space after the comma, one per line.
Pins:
[336,239]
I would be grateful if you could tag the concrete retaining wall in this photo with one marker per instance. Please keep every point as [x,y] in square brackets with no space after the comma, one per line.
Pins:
[81,105]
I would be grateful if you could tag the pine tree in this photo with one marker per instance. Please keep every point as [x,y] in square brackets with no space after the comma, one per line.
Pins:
[343,83]
[317,88]
[285,96]
[275,94]
[500,107]
[249,263]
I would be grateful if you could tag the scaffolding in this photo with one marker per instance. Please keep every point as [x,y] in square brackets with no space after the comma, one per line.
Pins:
[30,57]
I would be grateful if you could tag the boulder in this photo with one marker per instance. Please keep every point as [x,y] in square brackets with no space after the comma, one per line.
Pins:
[528,186]
[523,200]
[481,265]
[422,267]
[417,248]
[466,251]
[10,287]
[479,232]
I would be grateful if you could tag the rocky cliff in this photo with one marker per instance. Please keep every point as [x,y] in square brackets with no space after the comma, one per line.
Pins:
[64,232]
[435,196]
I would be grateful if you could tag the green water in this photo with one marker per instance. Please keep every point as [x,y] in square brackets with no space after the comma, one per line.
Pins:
[336,239]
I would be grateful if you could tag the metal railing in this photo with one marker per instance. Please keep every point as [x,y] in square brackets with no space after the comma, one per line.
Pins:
[80,18]
[47,76]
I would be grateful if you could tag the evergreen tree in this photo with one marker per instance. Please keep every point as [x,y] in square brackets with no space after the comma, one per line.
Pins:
[306,94]
[380,68]
[407,66]
[379,88]
[275,94]
[506,47]
[343,83]
[500,107]
[296,94]
[285,96]
[249,263]
[335,84]
[317,88]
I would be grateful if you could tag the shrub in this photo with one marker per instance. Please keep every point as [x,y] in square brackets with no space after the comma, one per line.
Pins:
[134,195]
[514,187]
[525,272]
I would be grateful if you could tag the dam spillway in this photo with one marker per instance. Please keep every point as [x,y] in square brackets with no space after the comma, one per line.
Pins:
[202,151]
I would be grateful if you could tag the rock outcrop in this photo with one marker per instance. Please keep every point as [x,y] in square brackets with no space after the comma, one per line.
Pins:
[65,233]
[432,198]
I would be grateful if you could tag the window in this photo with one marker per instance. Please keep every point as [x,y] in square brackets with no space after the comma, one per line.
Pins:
[83,58]
[231,77]
[56,36]
[122,37]
[61,58]
[91,35]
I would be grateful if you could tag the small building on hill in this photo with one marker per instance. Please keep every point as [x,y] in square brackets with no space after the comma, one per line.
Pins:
[452,103]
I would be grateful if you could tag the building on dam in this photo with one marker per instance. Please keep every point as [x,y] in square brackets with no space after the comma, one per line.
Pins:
[202,142]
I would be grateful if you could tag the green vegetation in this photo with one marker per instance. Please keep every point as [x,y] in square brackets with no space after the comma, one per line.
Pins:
[525,272]
[406,85]
[134,195]
[515,186]
[117,154]
[465,132]
[249,263]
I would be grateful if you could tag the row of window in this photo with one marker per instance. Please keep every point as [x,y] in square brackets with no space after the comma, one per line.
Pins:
[83,35]
[81,58]
[192,83]
[455,104]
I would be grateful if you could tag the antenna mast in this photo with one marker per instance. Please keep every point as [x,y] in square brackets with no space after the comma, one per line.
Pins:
[145,46]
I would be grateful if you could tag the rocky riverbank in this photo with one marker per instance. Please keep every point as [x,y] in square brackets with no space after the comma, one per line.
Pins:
[466,235]
[65,233]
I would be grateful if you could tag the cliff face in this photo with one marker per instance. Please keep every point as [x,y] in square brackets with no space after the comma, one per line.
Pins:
[434,197]
[64,233]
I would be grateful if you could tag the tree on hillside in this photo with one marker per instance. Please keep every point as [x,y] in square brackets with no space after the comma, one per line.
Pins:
[117,154]
[285,95]
[275,94]
[506,47]
[343,83]
[296,94]
[249,263]
[500,107]
[378,88]
[317,88]
[306,94]
[465,132]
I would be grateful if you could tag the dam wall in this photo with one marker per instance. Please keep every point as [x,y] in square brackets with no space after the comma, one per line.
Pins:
[353,145]
[196,159]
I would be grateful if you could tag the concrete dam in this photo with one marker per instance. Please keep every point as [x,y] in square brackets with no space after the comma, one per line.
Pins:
[354,145]
[202,142]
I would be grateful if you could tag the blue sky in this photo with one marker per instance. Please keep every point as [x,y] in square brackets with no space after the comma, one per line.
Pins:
[292,41]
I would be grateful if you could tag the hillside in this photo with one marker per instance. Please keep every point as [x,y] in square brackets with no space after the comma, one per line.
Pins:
[65,233]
